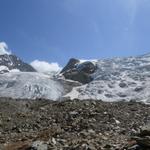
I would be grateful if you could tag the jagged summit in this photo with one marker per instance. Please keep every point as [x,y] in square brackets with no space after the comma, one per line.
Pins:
[9,62]
[78,70]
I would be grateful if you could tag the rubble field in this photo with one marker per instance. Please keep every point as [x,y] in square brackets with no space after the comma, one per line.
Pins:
[73,125]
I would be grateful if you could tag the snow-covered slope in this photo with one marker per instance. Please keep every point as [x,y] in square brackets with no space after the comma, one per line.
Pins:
[29,85]
[20,80]
[118,79]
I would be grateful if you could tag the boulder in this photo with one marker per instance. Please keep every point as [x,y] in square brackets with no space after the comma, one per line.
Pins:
[145,130]
[143,141]
[39,145]
[143,138]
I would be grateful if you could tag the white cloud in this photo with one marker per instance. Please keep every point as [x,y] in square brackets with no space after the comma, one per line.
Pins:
[45,67]
[4,48]
[132,7]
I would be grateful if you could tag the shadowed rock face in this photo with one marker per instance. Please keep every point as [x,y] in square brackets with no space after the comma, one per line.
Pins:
[78,76]
[13,62]
[77,71]
[70,65]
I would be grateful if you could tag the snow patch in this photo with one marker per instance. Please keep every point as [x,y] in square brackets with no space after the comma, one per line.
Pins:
[94,61]
[14,70]
[4,68]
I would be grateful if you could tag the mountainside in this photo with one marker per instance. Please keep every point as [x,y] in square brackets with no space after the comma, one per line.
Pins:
[20,80]
[13,63]
[117,79]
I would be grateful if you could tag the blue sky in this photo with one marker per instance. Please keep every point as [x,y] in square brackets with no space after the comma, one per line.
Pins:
[56,30]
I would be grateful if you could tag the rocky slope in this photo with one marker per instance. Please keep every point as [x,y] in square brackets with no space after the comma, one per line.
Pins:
[73,125]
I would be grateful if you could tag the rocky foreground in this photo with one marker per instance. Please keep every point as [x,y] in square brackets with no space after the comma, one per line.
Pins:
[73,125]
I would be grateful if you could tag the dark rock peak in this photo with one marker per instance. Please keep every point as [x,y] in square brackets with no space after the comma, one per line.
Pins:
[70,65]
[77,71]
[87,67]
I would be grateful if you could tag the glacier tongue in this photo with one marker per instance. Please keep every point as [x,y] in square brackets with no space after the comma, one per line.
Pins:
[29,85]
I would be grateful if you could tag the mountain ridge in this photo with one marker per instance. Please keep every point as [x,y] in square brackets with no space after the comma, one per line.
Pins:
[11,62]
[116,79]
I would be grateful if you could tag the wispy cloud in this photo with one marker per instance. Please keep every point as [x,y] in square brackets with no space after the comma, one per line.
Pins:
[131,7]
[45,67]
[4,48]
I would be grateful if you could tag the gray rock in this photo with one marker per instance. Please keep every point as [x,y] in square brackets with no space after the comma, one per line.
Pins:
[39,145]
[145,130]
[122,85]
[143,141]
[138,89]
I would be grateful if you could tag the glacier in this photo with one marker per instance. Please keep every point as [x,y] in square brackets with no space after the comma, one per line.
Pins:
[30,85]
[117,79]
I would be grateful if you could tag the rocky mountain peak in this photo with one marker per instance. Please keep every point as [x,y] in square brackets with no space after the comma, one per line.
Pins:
[70,65]
[11,62]
[79,71]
